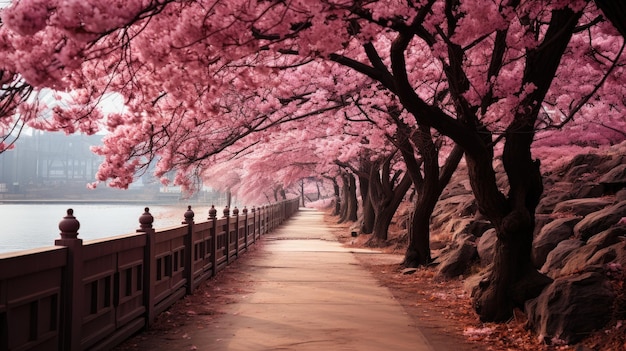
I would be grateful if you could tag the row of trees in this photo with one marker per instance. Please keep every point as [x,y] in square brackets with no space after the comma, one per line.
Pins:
[385,94]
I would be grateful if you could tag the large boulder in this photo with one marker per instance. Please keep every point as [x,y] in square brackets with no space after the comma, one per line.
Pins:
[547,203]
[478,227]
[579,172]
[457,258]
[615,179]
[558,192]
[599,221]
[556,257]
[587,190]
[582,207]
[460,186]
[451,213]
[614,255]
[540,221]
[576,262]
[571,308]
[620,195]
[581,259]
[608,237]
[582,165]
[550,236]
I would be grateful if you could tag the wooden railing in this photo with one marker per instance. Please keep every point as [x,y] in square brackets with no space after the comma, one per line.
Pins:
[96,294]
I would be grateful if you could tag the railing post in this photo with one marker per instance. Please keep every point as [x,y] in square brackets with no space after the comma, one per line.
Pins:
[261,220]
[254,224]
[213,249]
[189,249]
[236,215]
[227,230]
[149,276]
[72,304]
[246,230]
[268,218]
[283,209]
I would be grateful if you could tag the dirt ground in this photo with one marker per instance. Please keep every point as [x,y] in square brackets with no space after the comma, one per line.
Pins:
[441,308]
[447,305]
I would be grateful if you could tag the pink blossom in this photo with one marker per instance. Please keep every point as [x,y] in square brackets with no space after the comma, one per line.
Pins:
[203,80]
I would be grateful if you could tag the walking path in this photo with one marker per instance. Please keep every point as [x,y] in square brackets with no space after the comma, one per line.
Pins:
[308,292]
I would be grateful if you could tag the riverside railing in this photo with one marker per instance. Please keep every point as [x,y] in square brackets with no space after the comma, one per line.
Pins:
[93,295]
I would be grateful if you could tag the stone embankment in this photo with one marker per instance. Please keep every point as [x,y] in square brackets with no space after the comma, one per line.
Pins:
[579,242]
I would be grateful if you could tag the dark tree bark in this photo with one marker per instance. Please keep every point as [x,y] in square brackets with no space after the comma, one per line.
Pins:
[614,11]
[429,188]
[302,191]
[343,208]
[349,202]
[353,204]
[337,197]
[386,195]
[279,194]
[363,173]
[512,279]
[319,191]
[369,216]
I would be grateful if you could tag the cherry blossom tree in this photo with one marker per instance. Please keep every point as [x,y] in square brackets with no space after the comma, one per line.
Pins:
[258,174]
[505,88]
[351,138]
[13,93]
[478,73]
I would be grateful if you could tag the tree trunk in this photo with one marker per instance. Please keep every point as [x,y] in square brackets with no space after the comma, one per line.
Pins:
[353,204]
[367,225]
[279,194]
[349,202]
[343,208]
[302,191]
[381,226]
[615,11]
[319,191]
[418,250]
[337,207]
[513,279]
[386,196]
[335,203]
[369,216]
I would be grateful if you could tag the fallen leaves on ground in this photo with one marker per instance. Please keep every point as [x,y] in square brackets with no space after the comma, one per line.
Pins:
[442,306]
[446,302]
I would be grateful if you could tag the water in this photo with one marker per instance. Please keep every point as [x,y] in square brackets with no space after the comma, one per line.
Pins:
[28,226]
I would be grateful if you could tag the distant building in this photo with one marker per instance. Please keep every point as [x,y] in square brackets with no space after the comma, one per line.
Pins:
[57,166]
[49,158]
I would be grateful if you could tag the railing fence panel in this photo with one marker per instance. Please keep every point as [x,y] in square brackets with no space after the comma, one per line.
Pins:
[94,295]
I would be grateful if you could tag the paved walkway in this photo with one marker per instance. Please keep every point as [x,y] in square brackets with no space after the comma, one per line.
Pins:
[308,292]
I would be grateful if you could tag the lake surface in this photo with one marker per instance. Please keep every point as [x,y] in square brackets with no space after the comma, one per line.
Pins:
[28,226]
